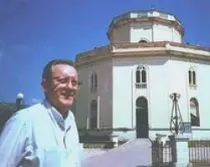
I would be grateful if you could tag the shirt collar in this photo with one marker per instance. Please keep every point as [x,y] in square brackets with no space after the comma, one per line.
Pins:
[63,123]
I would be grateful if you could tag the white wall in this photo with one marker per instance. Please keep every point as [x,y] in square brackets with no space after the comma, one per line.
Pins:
[140,32]
[121,34]
[176,35]
[202,94]
[165,77]
[166,33]
[104,91]
[104,70]
[83,96]
[178,83]
[124,100]
[159,93]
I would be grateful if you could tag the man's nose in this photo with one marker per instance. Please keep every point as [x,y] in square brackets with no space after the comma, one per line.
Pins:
[71,85]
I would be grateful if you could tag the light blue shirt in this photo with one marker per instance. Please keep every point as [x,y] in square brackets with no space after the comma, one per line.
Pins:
[38,136]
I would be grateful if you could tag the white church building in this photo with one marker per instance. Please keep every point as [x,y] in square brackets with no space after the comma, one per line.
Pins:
[127,86]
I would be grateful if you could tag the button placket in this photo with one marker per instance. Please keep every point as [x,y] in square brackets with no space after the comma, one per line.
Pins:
[65,136]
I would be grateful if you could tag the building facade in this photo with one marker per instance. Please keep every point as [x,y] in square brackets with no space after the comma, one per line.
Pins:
[127,86]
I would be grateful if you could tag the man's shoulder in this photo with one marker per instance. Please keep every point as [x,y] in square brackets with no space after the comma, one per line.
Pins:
[31,111]
[26,117]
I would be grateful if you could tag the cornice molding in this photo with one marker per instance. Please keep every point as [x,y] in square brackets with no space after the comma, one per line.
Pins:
[150,49]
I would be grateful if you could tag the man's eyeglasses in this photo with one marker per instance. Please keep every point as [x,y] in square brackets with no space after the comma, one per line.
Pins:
[66,81]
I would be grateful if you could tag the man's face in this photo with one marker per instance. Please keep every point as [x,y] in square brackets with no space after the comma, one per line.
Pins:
[62,87]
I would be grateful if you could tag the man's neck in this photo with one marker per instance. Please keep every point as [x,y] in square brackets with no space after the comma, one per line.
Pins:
[63,111]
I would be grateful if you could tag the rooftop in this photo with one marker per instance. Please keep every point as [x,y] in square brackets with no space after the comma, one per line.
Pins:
[145,49]
[145,14]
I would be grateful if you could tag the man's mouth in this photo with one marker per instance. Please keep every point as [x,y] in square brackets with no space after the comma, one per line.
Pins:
[68,94]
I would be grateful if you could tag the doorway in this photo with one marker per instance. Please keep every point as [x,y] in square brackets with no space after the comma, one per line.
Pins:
[142,127]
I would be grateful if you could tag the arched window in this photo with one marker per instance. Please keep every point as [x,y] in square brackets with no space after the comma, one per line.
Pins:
[144,75]
[142,41]
[94,82]
[93,114]
[192,77]
[194,112]
[138,75]
[141,77]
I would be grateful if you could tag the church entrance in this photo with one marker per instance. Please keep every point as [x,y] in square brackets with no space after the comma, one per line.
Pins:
[142,127]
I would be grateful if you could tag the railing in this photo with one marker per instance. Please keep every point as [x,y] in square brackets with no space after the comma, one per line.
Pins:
[199,153]
[161,154]
[141,85]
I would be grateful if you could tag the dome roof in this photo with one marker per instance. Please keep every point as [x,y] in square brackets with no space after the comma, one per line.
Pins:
[145,14]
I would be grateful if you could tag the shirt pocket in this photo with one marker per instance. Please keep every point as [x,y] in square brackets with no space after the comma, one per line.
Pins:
[55,157]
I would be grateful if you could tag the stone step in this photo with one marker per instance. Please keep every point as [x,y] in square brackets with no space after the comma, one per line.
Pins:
[138,142]
[134,153]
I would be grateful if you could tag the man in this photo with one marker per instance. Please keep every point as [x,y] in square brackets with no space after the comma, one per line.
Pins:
[45,135]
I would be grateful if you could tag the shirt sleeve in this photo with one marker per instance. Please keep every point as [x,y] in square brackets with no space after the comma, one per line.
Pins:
[12,141]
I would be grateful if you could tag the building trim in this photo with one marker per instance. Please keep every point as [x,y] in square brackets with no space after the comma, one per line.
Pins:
[168,129]
[150,49]
[133,129]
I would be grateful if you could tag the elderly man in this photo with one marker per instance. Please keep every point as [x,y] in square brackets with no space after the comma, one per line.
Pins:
[45,135]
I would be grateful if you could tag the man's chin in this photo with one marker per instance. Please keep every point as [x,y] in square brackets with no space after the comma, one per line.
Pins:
[68,102]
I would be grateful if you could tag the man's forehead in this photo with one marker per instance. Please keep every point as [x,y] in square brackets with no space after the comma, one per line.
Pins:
[64,69]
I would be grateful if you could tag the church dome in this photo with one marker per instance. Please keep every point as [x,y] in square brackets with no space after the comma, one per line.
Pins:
[145,26]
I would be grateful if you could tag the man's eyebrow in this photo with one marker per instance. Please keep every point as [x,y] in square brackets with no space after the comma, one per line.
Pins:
[73,79]
[63,77]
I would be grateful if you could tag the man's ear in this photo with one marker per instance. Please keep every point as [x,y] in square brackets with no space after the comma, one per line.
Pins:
[45,85]
[79,85]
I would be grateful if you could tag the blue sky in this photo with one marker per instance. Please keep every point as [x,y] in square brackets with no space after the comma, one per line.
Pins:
[32,32]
